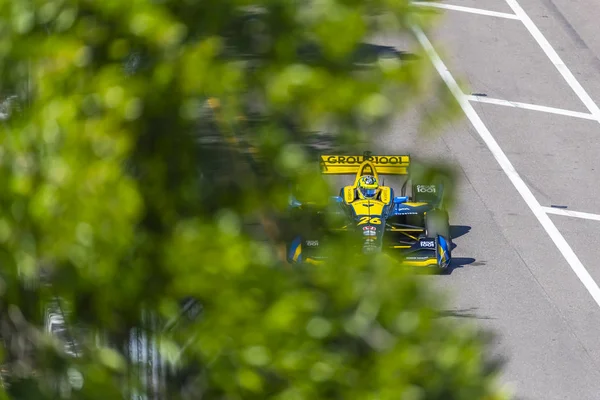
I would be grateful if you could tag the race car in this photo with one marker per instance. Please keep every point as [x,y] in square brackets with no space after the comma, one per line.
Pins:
[414,227]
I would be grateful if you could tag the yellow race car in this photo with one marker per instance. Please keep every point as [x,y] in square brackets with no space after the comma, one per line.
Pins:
[415,227]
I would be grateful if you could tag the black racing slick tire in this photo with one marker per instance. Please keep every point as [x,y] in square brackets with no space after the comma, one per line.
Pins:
[436,223]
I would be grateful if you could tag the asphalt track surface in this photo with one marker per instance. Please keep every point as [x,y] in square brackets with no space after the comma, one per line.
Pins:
[514,272]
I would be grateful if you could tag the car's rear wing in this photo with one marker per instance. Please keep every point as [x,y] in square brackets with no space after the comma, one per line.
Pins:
[345,164]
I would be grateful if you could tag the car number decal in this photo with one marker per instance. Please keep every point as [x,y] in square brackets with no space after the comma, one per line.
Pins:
[369,220]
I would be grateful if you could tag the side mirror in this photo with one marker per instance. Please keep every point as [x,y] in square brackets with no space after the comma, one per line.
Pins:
[400,199]
[337,199]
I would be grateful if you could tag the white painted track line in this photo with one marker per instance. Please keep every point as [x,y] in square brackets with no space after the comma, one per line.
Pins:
[465,9]
[509,170]
[555,58]
[569,213]
[535,107]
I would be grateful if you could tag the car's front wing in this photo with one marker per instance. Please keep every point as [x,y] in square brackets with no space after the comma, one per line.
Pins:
[426,252]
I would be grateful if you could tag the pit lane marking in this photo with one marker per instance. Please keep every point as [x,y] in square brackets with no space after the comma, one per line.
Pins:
[555,59]
[521,15]
[539,212]
[535,107]
[570,213]
[466,9]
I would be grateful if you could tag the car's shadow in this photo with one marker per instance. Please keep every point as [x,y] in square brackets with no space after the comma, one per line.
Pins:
[457,231]
[460,262]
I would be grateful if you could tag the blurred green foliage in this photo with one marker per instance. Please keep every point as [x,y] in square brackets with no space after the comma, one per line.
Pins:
[126,188]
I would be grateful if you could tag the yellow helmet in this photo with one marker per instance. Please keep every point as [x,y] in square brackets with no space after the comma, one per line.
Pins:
[367,186]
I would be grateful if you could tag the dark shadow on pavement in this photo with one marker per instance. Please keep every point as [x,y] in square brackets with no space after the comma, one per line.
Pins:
[460,262]
[493,361]
[370,53]
[365,55]
[457,231]
[463,313]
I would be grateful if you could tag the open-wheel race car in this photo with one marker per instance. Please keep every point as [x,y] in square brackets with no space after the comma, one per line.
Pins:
[414,227]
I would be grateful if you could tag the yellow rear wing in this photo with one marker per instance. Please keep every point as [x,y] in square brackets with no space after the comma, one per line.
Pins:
[385,165]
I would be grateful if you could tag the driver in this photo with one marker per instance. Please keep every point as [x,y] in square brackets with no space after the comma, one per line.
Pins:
[368,187]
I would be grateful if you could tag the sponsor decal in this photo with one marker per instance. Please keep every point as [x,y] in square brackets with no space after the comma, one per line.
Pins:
[312,243]
[360,159]
[425,188]
[428,243]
